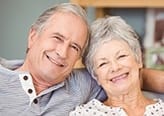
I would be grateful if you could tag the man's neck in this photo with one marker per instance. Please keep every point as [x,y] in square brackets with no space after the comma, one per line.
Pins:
[39,84]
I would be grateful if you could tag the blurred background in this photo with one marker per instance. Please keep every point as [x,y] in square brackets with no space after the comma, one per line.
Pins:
[16,17]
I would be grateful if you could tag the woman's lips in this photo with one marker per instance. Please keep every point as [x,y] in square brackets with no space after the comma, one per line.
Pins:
[119,77]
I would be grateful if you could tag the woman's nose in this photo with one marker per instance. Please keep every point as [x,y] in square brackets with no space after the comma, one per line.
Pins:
[115,66]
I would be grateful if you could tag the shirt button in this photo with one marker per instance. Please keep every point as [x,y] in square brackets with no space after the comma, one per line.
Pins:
[35,101]
[30,91]
[25,77]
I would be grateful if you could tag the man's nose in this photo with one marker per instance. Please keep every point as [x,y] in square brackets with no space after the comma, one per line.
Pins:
[62,51]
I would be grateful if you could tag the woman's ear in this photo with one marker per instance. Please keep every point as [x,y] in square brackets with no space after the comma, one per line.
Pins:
[32,37]
[140,64]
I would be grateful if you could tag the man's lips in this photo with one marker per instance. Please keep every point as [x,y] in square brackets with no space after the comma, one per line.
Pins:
[119,77]
[55,62]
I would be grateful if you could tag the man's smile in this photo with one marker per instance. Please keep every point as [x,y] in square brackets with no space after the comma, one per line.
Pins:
[54,61]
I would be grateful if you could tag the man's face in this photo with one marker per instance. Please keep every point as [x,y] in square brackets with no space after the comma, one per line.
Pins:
[54,51]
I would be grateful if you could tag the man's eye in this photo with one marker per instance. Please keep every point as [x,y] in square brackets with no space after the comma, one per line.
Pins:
[58,38]
[75,48]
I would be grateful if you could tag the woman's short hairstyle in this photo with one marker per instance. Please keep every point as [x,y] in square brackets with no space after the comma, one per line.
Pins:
[64,8]
[105,29]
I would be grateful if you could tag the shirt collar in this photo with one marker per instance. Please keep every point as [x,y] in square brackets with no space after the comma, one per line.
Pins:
[28,86]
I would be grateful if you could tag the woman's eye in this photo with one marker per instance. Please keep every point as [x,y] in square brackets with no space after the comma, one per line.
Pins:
[102,64]
[122,56]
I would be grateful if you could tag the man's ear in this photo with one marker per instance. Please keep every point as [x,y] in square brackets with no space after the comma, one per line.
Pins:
[32,37]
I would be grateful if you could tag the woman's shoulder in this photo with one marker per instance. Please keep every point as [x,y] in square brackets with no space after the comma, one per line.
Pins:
[97,108]
[89,109]
[156,108]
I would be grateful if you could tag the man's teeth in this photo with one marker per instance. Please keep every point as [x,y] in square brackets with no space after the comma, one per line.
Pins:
[61,65]
[52,60]
[47,56]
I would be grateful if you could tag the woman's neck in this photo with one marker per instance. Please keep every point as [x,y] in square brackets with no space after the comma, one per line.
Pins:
[133,104]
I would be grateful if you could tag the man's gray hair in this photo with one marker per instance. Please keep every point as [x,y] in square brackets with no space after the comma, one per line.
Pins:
[63,7]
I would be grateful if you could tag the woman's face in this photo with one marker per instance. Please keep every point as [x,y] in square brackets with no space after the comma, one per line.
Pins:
[116,67]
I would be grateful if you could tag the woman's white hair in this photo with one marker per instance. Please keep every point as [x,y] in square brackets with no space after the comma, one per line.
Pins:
[105,29]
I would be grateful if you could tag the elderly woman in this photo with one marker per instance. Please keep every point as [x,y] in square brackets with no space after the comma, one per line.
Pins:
[114,59]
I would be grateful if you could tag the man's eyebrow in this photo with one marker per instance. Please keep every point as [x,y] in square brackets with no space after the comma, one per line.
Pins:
[58,34]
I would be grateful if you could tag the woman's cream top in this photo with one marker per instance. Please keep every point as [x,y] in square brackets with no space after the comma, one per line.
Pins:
[97,108]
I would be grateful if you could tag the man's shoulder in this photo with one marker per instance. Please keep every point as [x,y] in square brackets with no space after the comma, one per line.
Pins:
[81,77]
[11,64]
[5,72]
[81,74]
